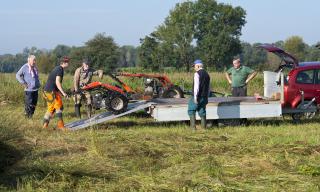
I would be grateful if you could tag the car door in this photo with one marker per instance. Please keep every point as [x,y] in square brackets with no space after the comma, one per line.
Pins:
[317,86]
[305,81]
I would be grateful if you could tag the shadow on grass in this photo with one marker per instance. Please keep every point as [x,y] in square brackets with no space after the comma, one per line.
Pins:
[9,157]
[14,171]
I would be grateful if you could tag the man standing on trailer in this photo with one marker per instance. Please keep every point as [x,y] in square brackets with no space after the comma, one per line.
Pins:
[83,76]
[240,77]
[28,77]
[200,94]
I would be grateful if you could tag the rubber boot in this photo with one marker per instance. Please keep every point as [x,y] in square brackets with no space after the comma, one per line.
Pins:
[193,122]
[45,123]
[204,122]
[61,126]
[46,120]
[89,111]
[77,110]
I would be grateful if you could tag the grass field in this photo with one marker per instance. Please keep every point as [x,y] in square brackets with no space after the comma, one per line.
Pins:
[134,153]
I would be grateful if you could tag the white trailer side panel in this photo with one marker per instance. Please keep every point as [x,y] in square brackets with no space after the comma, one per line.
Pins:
[220,111]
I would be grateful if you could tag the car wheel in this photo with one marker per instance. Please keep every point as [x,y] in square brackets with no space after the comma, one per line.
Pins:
[306,115]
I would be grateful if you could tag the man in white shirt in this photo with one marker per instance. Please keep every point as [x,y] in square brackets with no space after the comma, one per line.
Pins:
[200,94]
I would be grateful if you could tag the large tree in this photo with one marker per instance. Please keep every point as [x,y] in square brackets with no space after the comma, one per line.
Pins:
[295,46]
[103,52]
[204,29]
[178,31]
[218,31]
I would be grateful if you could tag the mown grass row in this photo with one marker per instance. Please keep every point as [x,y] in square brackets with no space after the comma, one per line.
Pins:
[149,156]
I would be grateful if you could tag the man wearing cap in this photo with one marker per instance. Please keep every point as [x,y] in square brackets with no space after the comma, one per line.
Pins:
[52,94]
[240,77]
[83,76]
[200,94]
[28,77]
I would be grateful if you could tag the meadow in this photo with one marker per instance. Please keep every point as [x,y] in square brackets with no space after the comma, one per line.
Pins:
[135,153]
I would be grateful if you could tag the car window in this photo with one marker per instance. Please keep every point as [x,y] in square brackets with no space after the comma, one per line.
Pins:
[318,77]
[305,77]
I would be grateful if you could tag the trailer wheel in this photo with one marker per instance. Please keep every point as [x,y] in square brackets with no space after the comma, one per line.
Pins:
[117,103]
[173,92]
[306,115]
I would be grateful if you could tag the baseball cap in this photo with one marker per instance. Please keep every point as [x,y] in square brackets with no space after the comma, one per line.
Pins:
[197,62]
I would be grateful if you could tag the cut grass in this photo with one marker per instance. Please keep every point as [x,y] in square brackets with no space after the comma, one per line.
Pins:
[134,153]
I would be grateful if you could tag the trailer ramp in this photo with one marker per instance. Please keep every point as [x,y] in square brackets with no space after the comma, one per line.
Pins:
[107,116]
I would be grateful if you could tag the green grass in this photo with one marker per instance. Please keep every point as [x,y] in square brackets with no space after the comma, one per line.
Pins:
[134,153]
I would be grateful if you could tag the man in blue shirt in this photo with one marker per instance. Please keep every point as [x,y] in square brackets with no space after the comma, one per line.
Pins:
[28,77]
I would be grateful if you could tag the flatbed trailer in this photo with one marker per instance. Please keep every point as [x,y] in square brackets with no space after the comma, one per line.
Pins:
[217,108]
[176,109]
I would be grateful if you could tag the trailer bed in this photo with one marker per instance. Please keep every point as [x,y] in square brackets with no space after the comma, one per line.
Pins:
[176,110]
[217,108]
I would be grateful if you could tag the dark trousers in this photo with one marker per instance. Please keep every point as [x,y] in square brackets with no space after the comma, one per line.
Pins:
[239,91]
[30,102]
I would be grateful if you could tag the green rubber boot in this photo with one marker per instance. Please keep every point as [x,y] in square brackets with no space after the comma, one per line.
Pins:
[204,122]
[193,122]
[77,110]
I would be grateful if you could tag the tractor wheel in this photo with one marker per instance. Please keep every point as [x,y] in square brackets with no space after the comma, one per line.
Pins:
[307,115]
[173,92]
[117,103]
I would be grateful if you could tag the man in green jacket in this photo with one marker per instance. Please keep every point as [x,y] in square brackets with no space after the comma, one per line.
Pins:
[240,77]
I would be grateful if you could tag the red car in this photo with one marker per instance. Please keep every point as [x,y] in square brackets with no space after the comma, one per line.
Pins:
[302,83]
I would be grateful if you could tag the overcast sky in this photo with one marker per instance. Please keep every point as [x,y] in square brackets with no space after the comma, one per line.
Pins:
[45,24]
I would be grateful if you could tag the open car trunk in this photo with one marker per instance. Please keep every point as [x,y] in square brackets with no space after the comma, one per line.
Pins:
[287,60]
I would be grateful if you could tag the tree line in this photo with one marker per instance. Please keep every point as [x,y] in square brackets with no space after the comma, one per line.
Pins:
[101,50]
[202,29]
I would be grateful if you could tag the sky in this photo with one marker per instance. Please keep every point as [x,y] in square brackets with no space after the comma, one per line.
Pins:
[45,24]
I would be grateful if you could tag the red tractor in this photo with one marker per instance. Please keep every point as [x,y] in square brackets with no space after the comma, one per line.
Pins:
[115,98]
[105,96]
[155,86]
